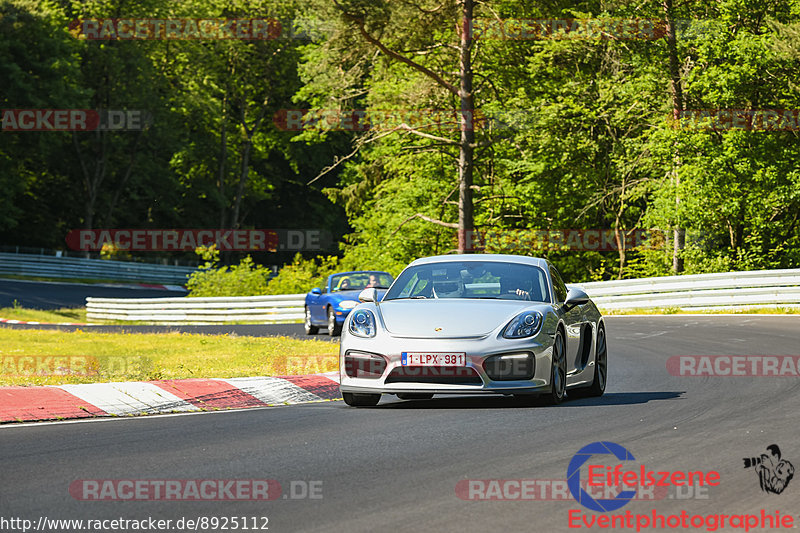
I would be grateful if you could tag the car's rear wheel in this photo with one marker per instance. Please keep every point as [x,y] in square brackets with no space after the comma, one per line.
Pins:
[333,328]
[414,396]
[310,328]
[558,372]
[361,400]
[598,386]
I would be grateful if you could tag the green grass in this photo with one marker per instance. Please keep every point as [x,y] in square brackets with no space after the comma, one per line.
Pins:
[66,314]
[678,311]
[57,357]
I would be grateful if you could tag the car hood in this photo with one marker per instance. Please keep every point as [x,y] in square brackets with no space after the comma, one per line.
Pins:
[455,317]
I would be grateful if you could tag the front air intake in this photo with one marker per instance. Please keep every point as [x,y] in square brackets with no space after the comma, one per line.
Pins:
[364,365]
[510,367]
[438,375]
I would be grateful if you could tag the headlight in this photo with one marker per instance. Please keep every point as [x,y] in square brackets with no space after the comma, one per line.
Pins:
[362,323]
[348,304]
[527,324]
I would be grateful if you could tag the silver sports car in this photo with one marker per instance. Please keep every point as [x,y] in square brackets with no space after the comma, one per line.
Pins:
[464,324]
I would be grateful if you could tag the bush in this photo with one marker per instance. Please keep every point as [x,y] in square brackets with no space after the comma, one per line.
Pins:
[303,274]
[244,279]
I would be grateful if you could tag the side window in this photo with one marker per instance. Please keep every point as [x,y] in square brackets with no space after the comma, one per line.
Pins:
[543,286]
[558,285]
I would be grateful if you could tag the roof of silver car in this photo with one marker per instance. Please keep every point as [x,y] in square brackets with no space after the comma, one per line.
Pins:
[498,258]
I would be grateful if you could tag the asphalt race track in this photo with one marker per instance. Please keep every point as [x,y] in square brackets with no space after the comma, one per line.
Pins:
[395,467]
[55,295]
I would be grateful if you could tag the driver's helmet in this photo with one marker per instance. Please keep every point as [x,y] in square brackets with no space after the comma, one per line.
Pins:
[448,288]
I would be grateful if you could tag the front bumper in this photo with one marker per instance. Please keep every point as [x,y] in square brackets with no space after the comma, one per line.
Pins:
[340,315]
[437,382]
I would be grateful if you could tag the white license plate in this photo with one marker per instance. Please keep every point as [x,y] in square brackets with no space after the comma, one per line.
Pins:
[434,359]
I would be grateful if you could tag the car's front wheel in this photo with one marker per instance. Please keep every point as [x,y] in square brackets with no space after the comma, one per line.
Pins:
[414,396]
[598,386]
[360,400]
[333,328]
[310,328]
[558,372]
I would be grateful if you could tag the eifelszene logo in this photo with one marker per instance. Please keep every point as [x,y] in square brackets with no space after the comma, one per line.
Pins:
[617,477]
[774,473]
[574,476]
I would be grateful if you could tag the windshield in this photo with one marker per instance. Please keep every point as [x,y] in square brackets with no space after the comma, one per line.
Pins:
[472,279]
[360,280]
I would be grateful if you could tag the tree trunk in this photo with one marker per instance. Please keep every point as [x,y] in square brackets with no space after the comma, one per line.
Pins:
[112,206]
[92,180]
[467,141]
[248,144]
[246,149]
[677,107]
[223,159]
[619,233]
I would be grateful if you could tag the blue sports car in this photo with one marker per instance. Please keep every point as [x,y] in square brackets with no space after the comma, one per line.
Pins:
[329,306]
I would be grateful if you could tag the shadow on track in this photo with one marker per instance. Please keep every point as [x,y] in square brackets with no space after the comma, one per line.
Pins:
[507,402]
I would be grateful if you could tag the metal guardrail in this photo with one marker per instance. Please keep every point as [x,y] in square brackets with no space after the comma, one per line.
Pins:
[50,266]
[700,292]
[278,308]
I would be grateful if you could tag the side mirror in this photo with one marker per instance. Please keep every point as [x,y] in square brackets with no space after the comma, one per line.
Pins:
[316,290]
[576,296]
[368,295]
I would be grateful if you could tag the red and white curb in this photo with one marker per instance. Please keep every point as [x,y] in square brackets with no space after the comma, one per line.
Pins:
[130,398]
[162,287]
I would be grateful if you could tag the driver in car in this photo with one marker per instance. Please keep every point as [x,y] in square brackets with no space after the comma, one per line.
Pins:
[517,286]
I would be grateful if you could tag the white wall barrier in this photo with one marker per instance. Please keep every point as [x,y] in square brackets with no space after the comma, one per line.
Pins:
[278,308]
[724,291]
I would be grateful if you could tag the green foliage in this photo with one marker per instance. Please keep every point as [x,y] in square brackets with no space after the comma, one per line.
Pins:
[580,137]
[302,275]
[212,156]
[243,279]
[583,139]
